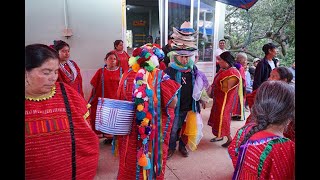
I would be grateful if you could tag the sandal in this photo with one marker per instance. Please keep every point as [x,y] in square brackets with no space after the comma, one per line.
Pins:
[226,144]
[215,139]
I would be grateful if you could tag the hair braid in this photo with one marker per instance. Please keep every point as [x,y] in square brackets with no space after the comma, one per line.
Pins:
[255,129]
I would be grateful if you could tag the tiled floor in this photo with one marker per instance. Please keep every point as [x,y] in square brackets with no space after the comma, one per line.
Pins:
[209,161]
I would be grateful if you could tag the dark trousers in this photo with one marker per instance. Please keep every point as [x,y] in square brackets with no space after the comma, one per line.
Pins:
[177,124]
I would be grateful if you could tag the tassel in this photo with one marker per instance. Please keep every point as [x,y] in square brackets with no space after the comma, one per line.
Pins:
[148,165]
[144,141]
[149,92]
[115,147]
[143,161]
[144,175]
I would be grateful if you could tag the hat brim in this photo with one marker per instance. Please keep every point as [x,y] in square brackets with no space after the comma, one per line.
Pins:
[184,53]
[184,33]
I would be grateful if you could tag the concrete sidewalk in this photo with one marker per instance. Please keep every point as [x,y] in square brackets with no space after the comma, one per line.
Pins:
[209,161]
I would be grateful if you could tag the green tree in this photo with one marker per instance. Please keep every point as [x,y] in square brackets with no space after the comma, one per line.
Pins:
[266,21]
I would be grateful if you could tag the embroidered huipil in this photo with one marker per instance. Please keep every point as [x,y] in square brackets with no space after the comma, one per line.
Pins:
[49,143]
[69,73]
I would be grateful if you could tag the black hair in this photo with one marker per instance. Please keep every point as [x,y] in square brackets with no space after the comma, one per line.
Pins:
[222,40]
[59,44]
[116,43]
[112,53]
[290,76]
[37,54]
[284,73]
[227,56]
[274,104]
[267,47]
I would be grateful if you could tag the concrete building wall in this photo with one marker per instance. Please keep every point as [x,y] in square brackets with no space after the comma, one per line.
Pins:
[95,24]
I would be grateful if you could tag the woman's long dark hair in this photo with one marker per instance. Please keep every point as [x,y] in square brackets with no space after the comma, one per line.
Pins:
[59,44]
[274,104]
[37,54]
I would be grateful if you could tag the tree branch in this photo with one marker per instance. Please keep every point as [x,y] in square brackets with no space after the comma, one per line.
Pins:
[231,13]
[253,55]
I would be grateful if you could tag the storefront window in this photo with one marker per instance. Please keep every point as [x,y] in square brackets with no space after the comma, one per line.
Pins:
[179,11]
[202,19]
[206,30]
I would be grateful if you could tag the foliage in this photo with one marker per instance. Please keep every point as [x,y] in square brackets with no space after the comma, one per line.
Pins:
[266,21]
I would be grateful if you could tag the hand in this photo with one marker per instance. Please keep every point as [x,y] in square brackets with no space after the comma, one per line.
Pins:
[203,104]
[209,91]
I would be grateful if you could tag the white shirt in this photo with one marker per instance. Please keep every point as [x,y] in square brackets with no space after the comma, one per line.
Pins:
[248,82]
[271,63]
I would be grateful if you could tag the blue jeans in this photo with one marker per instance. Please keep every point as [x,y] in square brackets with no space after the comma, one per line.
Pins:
[178,121]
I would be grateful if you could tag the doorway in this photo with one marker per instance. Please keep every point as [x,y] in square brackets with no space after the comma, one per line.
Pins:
[142,19]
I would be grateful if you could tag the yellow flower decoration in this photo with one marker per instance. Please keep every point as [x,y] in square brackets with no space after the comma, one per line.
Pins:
[140,107]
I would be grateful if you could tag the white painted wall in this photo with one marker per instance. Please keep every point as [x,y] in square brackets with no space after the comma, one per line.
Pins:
[96,24]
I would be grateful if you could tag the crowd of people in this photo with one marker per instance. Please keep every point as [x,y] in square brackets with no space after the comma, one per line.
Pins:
[62,142]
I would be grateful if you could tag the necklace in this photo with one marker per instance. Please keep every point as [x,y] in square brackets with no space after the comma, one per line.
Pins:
[114,69]
[43,97]
[120,52]
[71,75]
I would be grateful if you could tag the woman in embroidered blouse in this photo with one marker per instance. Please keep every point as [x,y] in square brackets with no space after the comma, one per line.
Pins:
[108,76]
[260,150]
[59,142]
[277,74]
[122,54]
[69,71]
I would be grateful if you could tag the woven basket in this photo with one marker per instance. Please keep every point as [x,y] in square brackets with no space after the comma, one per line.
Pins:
[114,116]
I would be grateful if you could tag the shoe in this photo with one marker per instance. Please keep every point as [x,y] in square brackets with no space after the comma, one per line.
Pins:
[226,144]
[107,141]
[184,151]
[170,153]
[236,118]
[216,139]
